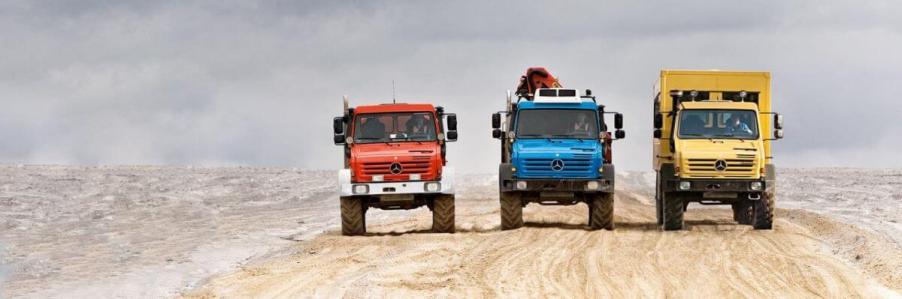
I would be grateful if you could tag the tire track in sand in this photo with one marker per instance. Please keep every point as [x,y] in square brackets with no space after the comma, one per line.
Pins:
[555,256]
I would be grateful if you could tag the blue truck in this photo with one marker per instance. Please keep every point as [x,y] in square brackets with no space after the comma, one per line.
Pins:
[555,150]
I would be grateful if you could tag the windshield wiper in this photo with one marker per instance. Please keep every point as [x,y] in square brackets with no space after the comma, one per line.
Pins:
[364,138]
[572,136]
[530,135]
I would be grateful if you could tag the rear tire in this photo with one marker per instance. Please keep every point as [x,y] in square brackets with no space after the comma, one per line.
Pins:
[659,206]
[511,211]
[353,216]
[443,214]
[601,211]
[673,211]
[742,212]
[764,212]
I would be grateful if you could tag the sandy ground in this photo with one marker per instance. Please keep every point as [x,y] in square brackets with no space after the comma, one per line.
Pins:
[147,232]
[155,232]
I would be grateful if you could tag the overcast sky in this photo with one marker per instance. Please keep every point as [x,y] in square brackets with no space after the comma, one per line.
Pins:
[244,83]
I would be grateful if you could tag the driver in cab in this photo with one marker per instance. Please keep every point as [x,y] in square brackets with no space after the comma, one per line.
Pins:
[581,126]
[736,126]
[418,126]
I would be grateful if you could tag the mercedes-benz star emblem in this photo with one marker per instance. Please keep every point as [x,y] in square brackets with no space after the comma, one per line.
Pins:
[557,165]
[395,168]
[720,165]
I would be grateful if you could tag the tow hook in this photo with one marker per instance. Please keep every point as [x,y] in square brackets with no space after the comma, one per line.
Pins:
[754,196]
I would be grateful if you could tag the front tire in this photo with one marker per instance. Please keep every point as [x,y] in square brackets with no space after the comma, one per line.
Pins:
[673,211]
[353,216]
[601,211]
[764,212]
[443,214]
[742,212]
[511,211]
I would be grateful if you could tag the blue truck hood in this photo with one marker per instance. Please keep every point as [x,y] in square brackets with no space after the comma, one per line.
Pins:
[556,158]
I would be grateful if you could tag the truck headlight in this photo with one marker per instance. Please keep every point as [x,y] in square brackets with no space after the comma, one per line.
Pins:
[378,178]
[592,185]
[433,187]
[361,189]
[415,177]
[756,186]
[521,185]
[685,185]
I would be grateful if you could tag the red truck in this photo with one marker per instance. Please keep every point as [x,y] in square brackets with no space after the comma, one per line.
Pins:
[394,158]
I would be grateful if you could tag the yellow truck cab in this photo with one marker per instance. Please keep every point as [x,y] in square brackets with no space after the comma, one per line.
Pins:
[712,145]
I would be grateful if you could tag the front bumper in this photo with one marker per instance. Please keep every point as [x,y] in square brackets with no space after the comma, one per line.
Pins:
[507,182]
[714,185]
[533,185]
[346,187]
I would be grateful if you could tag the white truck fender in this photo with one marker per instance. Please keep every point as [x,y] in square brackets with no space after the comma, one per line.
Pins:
[344,182]
[448,180]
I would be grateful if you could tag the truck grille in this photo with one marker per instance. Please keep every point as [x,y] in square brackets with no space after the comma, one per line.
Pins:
[740,167]
[384,168]
[570,165]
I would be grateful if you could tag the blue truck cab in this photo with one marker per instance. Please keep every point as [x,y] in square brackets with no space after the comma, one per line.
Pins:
[553,152]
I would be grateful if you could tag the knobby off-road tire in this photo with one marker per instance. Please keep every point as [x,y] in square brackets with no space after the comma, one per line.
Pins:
[601,211]
[742,212]
[353,216]
[511,211]
[659,206]
[443,214]
[673,211]
[764,212]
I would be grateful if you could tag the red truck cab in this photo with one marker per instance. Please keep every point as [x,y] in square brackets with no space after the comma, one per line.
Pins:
[395,159]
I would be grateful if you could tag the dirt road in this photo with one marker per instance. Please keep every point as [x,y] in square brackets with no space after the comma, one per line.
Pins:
[161,232]
[555,256]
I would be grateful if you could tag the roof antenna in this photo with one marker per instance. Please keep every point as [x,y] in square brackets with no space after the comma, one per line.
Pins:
[393,99]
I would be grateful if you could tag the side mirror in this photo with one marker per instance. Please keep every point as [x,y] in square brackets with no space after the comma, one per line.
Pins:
[338,139]
[620,134]
[338,125]
[659,121]
[496,133]
[778,134]
[618,121]
[496,121]
[451,135]
[778,121]
[452,122]
[657,134]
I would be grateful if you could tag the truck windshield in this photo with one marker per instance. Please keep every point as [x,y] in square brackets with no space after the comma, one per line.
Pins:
[720,124]
[557,123]
[394,127]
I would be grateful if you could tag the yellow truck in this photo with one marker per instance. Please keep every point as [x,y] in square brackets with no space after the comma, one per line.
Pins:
[712,145]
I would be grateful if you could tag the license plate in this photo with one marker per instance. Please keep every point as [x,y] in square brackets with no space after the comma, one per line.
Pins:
[396,197]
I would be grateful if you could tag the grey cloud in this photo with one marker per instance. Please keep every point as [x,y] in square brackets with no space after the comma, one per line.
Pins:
[256,83]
